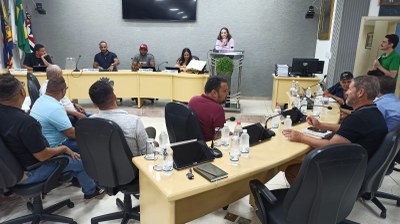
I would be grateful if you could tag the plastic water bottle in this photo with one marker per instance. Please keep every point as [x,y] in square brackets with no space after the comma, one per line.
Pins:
[163,138]
[235,150]
[297,101]
[288,122]
[308,92]
[317,106]
[303,107]
[276,120]
[293,89]
[244,144]
[238,129]
[225,136]
[319,92]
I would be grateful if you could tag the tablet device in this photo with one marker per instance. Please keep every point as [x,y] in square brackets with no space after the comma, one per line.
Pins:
[190,153]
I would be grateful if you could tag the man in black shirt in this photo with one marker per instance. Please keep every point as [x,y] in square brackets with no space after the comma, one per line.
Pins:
[23,136]
[39,57]
[105,60]
[365,125]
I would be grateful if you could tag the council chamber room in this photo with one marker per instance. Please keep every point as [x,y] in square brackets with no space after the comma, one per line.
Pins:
[200,111]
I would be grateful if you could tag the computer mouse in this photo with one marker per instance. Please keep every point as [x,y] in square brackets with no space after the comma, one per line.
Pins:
[216,152]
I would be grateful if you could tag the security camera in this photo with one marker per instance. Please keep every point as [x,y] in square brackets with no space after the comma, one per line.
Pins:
[310,13]
[39,8]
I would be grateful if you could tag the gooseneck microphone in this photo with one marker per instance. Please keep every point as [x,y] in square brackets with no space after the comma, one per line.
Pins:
[270,117]
[76,65]
[230,119]
[215,136]
[164,62]
[324,106]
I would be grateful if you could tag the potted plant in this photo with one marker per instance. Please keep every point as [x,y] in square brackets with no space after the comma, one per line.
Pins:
[224,67]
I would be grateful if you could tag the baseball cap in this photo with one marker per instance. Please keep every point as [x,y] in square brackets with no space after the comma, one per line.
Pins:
[143,46]
[346,75]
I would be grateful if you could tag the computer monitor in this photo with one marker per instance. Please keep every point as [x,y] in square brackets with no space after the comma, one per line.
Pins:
[305,67]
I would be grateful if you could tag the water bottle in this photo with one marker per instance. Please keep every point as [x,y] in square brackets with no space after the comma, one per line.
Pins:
[168,161]
[288,122]
[235,150]
[225,136]
[297,87]
[238,129]
[319,92]
[303,107]
[276,120]
[244,143]
[293,89]
[297,102]
[69,63]
[317,106]
[163,138]
[308,92]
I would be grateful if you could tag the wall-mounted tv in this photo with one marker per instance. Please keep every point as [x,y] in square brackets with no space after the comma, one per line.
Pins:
[171,10]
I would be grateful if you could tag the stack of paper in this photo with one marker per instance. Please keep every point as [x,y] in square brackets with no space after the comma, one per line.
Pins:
[281,70]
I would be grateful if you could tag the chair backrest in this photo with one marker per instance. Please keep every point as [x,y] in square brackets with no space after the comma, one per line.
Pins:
[195,57]
[327,185]
[380,161]
[105,153]
[151,132]
[33,87]
[182,123]
[10,169]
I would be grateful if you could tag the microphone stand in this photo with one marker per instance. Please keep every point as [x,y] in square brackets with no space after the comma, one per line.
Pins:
[269,118]
[164,62]
[76,65]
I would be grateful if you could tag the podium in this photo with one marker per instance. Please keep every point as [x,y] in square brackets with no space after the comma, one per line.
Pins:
[233,99]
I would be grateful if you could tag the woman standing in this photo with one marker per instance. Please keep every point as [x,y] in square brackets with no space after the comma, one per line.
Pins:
[225,41]
[184,60]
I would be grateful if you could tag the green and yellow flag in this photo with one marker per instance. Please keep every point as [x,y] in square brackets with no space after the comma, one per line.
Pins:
[22,33]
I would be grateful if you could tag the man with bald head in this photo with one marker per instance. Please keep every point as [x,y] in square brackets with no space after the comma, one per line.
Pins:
[74,110]
[56,126]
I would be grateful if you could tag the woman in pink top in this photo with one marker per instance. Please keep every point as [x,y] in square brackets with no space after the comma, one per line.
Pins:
[225,41]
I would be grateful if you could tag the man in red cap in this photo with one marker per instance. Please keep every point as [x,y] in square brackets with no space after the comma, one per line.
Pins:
[143,59]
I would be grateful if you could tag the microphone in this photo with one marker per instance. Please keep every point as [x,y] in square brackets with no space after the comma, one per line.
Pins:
[270,117]
[324,106]
[76,65]
[230,119]
[164,62]
[216,152]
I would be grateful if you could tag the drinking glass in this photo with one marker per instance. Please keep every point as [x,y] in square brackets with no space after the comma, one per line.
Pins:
[158,159]
[150,149]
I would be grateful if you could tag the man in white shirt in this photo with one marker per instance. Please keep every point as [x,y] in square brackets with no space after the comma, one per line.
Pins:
[74,110]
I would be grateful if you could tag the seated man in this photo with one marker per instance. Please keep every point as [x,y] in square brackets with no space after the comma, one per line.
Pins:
[74,110]
[39,57]
[387,103]
[365,125]
[208,106]
[22,134]
[143,58]
[337,91]
[102,95]
[56,126]
[105,60]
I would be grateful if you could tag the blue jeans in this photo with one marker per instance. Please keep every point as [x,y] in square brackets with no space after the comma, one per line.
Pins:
[71,143]
[74,119]
[41,173]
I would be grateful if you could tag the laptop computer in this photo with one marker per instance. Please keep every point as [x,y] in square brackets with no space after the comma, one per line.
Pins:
[257,133]
[190,153]
[39,68]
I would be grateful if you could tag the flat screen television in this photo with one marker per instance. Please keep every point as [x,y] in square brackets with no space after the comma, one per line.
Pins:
[306,67]
[170,10]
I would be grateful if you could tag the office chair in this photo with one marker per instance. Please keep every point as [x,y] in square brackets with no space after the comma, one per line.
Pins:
[11,173]
[324,191]
[377,168]
[195,57]
[182,123]
[151,132]
[108,160]
[33,87]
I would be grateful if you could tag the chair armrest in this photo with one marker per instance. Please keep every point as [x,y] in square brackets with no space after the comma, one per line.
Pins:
[36,165]
[53,180]
[264,191]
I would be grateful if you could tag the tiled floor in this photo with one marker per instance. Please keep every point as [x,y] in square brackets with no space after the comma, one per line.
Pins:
[153,115]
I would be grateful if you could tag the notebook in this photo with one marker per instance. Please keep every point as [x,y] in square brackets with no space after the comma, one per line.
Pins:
[39,68]
[190,153]
[211,172]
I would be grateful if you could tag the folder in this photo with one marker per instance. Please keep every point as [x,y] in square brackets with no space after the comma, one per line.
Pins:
[210,172]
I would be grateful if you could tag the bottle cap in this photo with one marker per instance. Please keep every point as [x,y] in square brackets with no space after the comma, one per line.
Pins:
[238,122]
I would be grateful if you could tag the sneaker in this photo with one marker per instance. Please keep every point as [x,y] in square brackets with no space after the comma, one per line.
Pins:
[98,192]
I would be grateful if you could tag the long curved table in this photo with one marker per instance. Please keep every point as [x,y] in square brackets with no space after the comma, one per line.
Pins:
[127,84]
[175,199]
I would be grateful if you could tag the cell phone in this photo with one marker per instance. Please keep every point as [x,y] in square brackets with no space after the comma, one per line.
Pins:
[317,129]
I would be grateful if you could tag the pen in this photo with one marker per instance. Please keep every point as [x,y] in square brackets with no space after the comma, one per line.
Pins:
[206,171]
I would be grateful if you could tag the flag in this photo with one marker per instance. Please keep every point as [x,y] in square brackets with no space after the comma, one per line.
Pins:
[31,39]
[22,33]
[7,38]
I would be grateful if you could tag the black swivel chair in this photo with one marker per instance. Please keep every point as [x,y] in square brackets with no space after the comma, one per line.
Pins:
[108,160]
[11,173]
[324,191]
[377,168]
[33,87]
[182,123]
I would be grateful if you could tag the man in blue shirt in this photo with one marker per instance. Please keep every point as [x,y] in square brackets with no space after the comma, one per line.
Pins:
[50,113]
[105,60]
[387,102]
[337,91]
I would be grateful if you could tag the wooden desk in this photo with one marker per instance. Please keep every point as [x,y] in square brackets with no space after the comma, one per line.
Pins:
[175,199]
[181,87]
[282,85]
